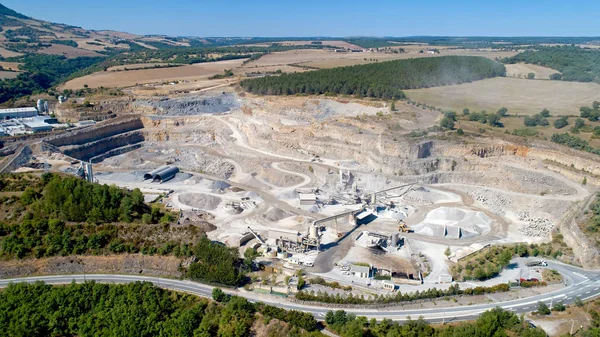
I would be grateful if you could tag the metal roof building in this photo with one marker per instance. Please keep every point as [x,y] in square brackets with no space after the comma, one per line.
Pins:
[168,173]
[18,113]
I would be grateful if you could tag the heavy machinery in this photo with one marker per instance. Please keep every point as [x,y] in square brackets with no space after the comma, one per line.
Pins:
[402,227]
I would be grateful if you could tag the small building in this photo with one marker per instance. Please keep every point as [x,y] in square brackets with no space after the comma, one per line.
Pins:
[18,113]
[387,285]
[445,278]
[307,199]
[361,271]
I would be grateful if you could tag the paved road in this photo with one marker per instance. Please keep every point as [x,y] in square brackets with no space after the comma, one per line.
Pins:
[581,283]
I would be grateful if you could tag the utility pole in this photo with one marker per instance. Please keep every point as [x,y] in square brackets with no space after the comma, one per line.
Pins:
[444,318]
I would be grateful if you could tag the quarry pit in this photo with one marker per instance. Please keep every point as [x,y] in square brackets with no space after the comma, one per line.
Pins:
[320,183]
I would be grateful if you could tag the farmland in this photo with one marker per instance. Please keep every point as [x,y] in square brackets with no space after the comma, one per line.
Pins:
[331,59]
[518,95]
[129,78]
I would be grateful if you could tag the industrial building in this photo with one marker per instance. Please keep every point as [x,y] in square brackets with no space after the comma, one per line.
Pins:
[307,199]
[360,271]
[26,125]
[18,113]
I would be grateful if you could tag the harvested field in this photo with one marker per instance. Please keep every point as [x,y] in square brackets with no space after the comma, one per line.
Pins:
[521,70]
[68,51]
[199,71]
[8,74]
[335,43]
[10,65]
[518,95]
[139,66]
[8,53]
[331,59]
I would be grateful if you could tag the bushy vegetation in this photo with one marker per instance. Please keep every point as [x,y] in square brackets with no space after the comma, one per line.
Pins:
[574,142]
[561,122]
[136,309]
[380,80]
[593,224]
[525,132]
[484,117]
[537,120]
[492,323]
[397,297]
[334,285]
[575,63]
[216,263]
[490,261]
[591,113]
[70,43]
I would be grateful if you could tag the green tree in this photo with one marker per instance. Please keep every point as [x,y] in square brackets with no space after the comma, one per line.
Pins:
[447,252]
[579,123]
[545,113]
[447,123]
[542,308]
[561,122]
[466,111]
[531,76]
[502,112]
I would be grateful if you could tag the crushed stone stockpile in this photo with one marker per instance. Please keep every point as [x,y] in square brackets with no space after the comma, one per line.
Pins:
[454,223]
[194,105]
[534,226]
[200,201]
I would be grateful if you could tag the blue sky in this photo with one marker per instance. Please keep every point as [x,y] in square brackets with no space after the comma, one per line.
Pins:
[325,17]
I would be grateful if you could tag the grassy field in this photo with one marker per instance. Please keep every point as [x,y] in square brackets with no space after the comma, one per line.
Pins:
[524,97]
[521,70]
[10,65]
[200,71]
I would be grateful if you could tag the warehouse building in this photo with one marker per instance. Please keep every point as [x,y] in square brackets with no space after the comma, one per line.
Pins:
[18,113]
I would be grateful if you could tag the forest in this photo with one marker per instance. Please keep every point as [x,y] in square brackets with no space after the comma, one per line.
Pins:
[41,72]
[574,63]
[135,309]
[380,80]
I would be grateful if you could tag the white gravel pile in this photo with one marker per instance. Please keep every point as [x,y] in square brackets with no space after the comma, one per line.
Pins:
[449,221]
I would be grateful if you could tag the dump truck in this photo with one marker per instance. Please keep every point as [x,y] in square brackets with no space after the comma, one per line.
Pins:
[402,227]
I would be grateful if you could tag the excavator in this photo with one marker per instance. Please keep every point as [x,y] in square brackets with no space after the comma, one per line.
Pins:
[402,227]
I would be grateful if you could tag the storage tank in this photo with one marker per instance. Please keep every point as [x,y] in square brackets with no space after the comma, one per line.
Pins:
[40,106]
[394,242]
[313,232]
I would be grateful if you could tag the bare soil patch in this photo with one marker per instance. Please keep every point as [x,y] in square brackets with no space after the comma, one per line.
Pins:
[115,264]
[518,95]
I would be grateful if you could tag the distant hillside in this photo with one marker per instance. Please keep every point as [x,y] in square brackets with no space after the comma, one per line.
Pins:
[7,11]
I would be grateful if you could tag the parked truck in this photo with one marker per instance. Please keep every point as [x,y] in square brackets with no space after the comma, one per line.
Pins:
[536,263]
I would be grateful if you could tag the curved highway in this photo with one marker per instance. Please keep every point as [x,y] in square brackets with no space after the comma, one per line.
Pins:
[581,283]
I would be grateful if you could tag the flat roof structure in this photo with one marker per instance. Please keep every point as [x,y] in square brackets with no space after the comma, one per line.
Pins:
[18,112]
